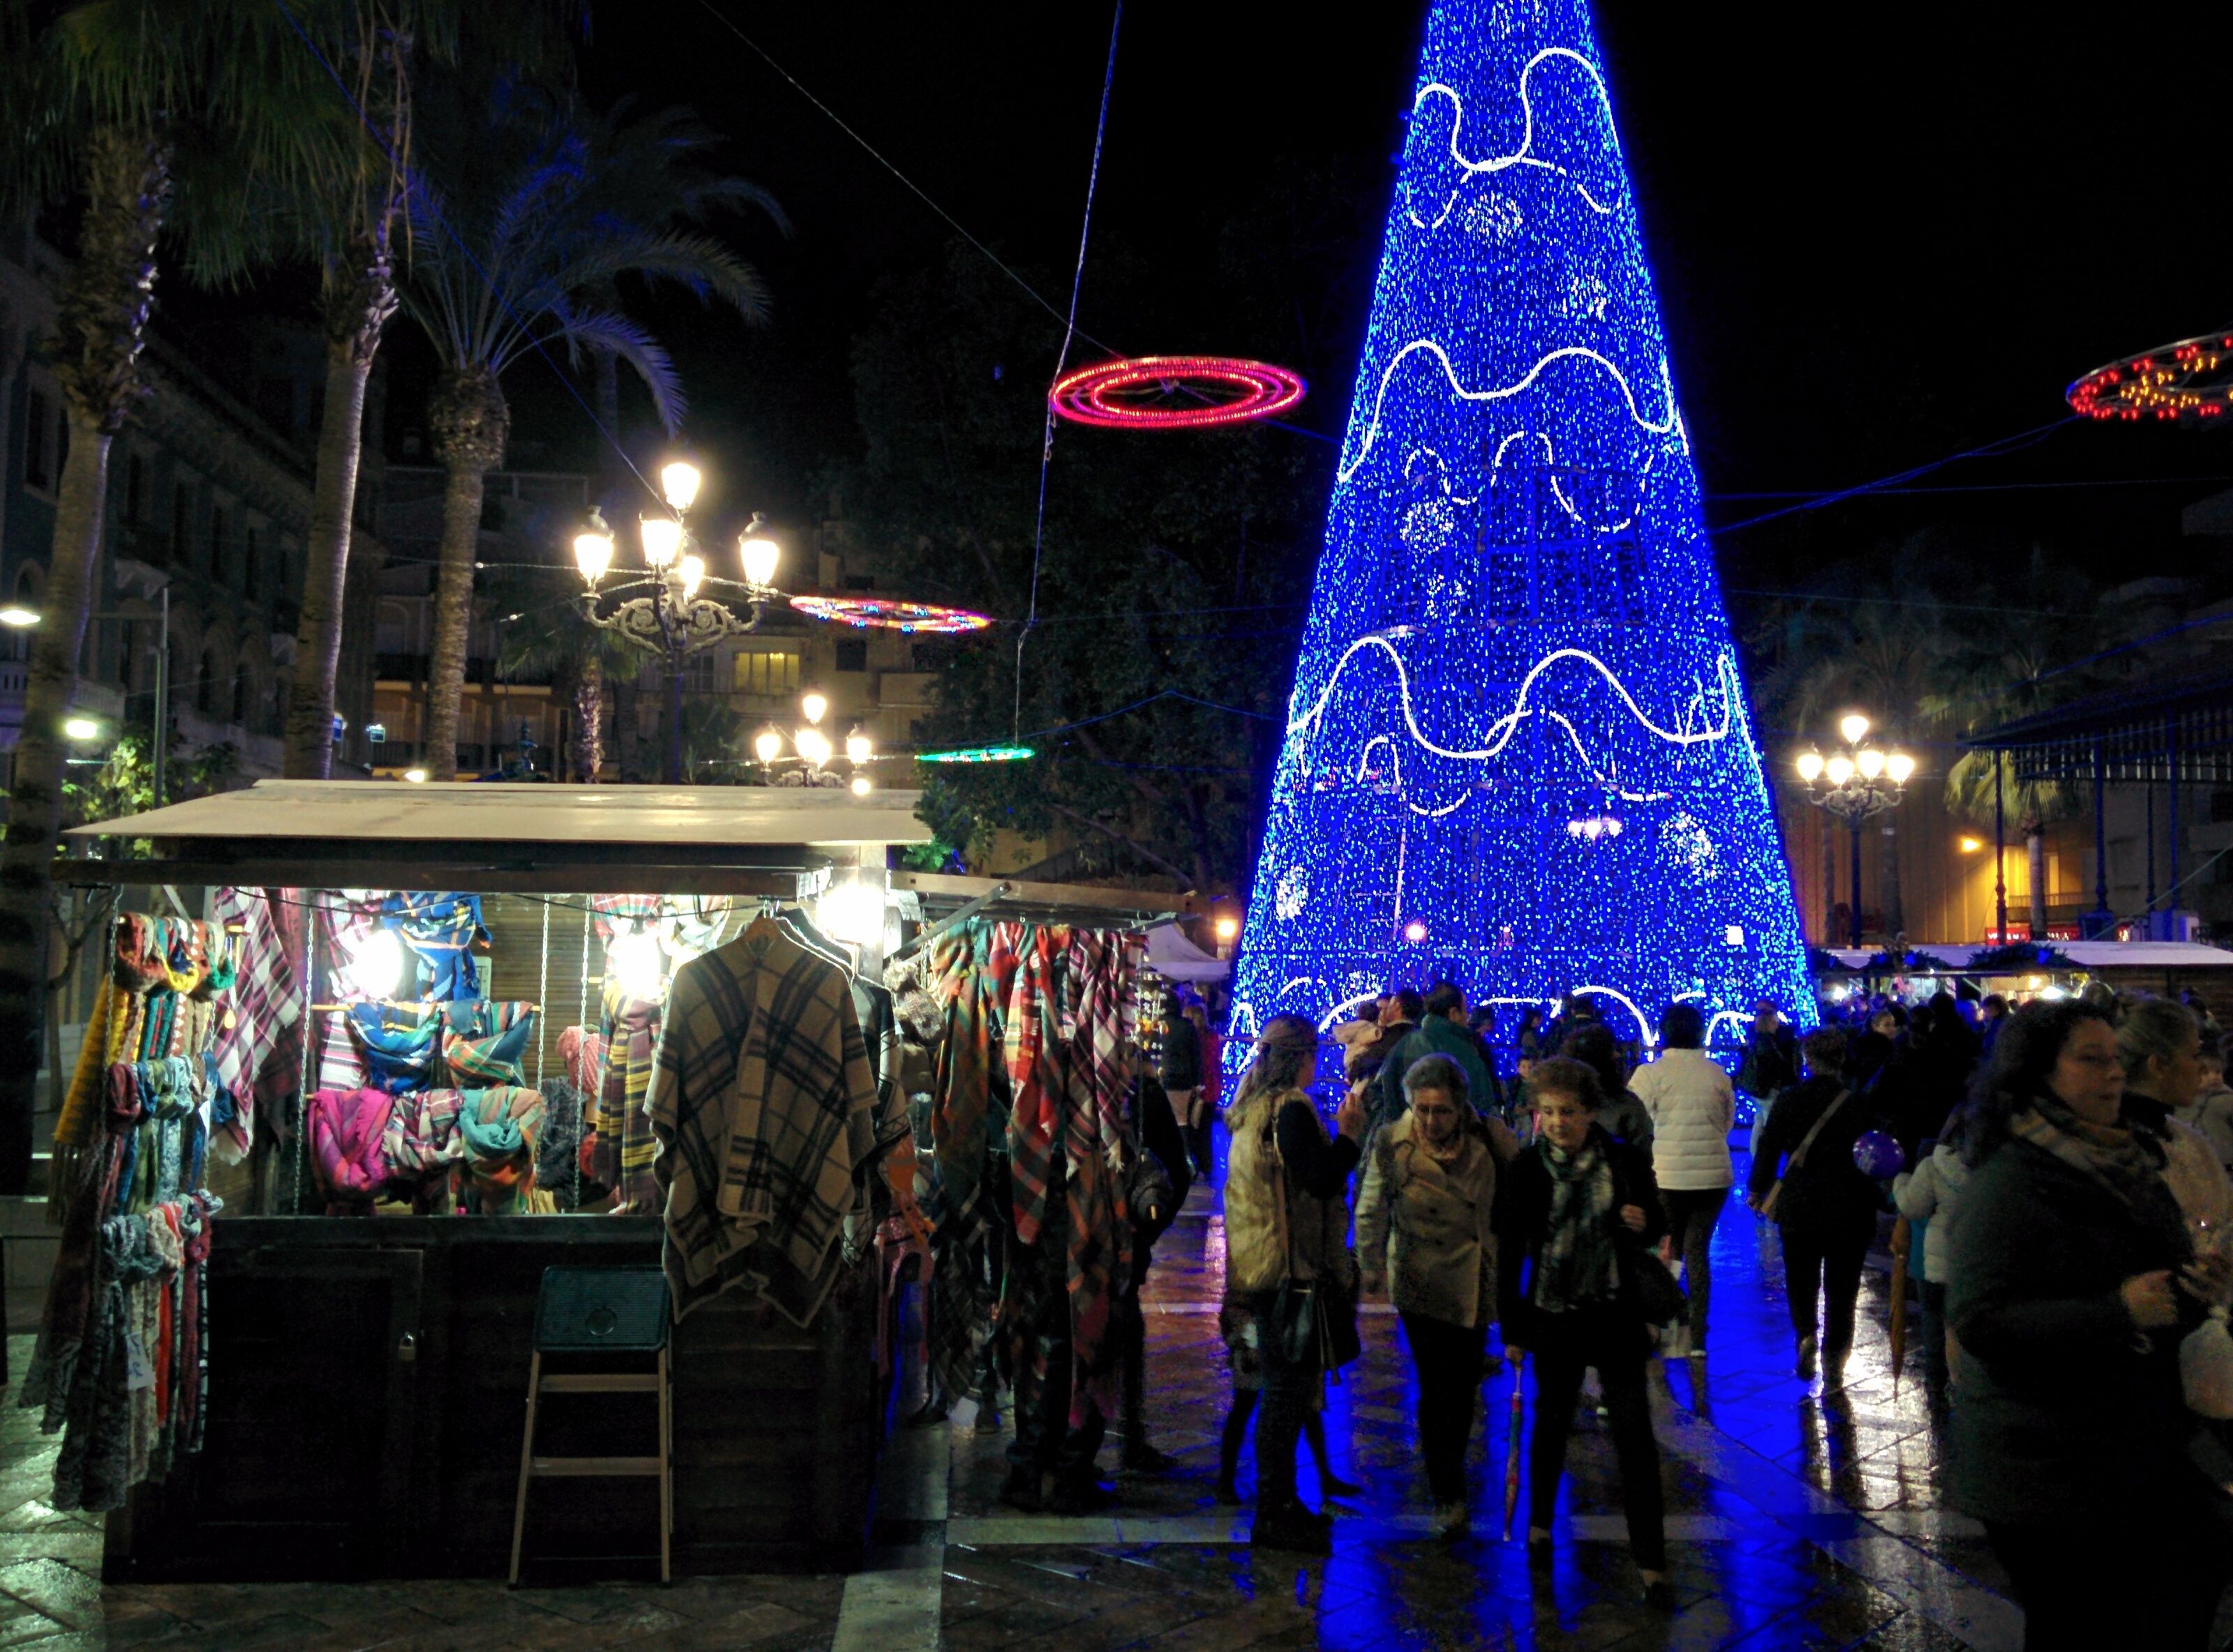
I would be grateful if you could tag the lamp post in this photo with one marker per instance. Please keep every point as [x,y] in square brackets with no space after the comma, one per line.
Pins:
[1856,782]
[21,619]
[812,750]
[669,616]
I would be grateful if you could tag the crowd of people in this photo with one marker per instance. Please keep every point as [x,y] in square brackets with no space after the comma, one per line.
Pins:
[2065,1180]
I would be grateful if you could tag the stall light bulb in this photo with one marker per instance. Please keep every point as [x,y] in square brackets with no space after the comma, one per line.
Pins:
[376,966]
[1810,766]
[853,913]
[1226,928]
[679,481]
[662,540]
[633,962]
[767,745]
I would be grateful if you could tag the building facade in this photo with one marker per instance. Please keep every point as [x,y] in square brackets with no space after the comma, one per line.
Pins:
[208,504]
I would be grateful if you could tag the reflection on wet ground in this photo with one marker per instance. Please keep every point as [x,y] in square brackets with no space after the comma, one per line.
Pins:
[1796,1518]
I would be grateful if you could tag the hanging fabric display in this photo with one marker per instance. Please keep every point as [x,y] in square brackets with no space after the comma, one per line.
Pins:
[1033,1059]
[119,1363]
[763,1105]
[259,1047]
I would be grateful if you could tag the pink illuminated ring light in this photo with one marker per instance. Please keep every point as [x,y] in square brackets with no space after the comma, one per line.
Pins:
[863,612]
[2190,383]
[1175,392]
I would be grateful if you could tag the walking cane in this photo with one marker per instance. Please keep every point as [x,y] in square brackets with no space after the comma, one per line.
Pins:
[1512,1446]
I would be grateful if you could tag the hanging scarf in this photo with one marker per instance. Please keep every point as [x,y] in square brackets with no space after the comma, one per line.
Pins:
[625,1145]
[2128,1162]
[1094,1087]
[1578,1263]
[421,1145]
[498,1130]
[1030,1051]
[346,1129]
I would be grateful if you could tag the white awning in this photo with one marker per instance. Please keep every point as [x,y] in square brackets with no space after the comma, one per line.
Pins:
[479,812]
[1175,958]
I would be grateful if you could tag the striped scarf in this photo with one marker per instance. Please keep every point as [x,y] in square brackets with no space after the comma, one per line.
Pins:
[1031,1050]
[498,1130]
[625,1145]
[346,1129]
[1094,1087]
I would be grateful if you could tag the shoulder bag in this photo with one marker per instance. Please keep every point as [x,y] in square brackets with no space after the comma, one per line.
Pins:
[1320,1312]
[1774,1196]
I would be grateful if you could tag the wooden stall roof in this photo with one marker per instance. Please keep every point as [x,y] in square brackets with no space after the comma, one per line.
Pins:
[735,840]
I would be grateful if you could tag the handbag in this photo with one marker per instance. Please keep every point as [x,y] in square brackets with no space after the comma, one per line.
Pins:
[1319,1313]
[1653,1286]
[2205,1369]
[1774,1196]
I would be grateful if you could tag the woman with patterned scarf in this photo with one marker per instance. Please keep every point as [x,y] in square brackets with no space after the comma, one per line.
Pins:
[1571,1212]
[2071,1281]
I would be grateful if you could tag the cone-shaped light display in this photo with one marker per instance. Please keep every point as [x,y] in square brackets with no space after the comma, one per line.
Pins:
[1518,753]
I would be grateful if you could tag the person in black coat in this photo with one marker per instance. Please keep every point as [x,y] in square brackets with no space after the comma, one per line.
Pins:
[1828,1210]
[1163,1142]
[1574,1212]
[1181,1073]
[2071,1281]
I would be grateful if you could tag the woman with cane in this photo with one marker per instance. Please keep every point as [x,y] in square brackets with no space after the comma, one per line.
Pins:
[1572,1212]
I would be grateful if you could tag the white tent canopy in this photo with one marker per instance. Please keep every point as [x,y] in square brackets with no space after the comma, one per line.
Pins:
[1175,958]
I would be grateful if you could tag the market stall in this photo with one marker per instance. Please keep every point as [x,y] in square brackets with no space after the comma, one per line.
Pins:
[374,1057]
[2026,970]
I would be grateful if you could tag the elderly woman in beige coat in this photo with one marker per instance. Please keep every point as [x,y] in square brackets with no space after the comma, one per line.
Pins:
[1424,1237]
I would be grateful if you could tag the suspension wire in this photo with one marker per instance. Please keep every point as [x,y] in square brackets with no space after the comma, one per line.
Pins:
[1062,362]
[917,190]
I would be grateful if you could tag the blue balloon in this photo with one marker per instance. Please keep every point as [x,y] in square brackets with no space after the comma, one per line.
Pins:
[1879,1156]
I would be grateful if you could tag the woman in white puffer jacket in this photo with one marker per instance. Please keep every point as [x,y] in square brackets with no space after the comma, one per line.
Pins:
[1693,1107]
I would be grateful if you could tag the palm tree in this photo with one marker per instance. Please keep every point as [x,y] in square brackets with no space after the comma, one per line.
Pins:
[350,231]
[1996,680]
[157,113]
[2033,805]
[1883,643]
[531,214]
[544,633]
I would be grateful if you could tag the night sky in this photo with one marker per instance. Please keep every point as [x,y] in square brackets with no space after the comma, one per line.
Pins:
[1875,245]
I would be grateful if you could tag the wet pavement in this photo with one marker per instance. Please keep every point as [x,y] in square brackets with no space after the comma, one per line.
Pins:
[1796,1519]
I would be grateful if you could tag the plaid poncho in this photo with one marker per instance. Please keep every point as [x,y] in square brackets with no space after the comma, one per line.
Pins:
[762,1103]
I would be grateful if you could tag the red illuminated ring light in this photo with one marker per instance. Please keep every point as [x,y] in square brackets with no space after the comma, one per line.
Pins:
[2190,382]
[1144,392]
[863,612]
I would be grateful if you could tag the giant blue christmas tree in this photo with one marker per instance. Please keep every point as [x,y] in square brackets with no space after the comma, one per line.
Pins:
[1517,752]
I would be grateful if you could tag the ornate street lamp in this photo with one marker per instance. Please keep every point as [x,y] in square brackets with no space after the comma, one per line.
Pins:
[1854,783]
[676,607]
[812,751]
